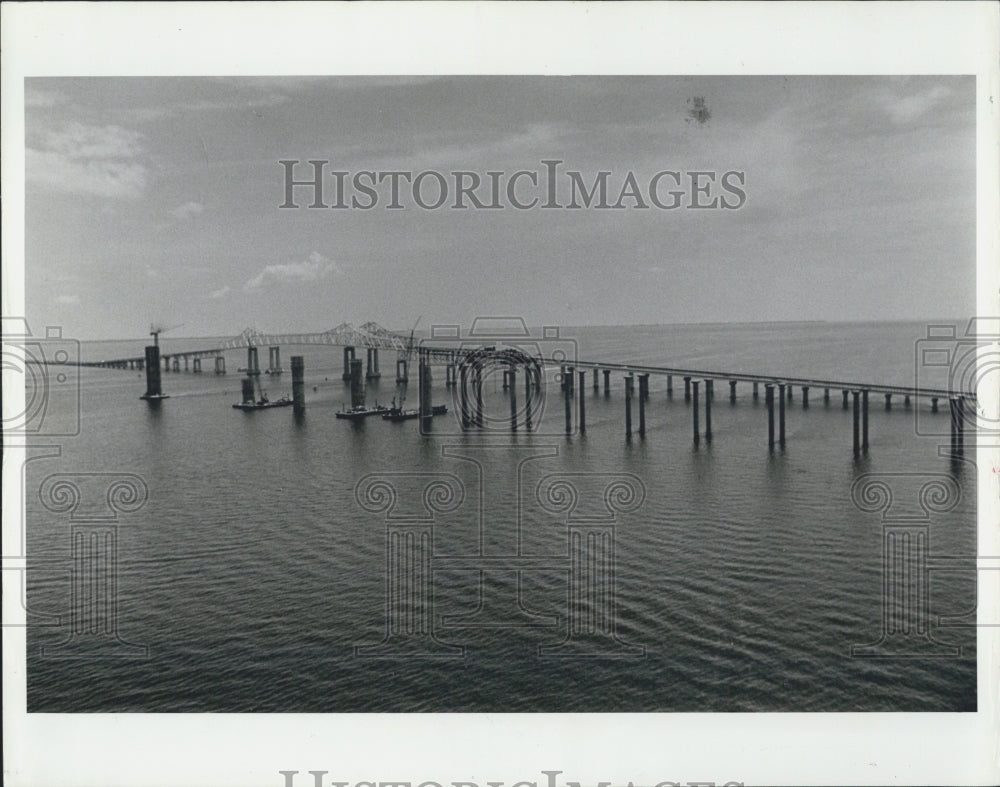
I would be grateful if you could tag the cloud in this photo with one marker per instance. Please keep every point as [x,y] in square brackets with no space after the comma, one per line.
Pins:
[87,159]
[67,300]
[221,293]
[910,108]
[315,268]
[41,99]
[187,210]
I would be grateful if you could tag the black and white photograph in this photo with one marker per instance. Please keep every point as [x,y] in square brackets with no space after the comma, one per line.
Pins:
[398,401]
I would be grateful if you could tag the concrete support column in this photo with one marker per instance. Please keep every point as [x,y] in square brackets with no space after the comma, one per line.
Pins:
[694,417]
[607,381]
[357,383]
[687,389]
[826,396]
[864,421]
[582,405]
[845,393]
[298,384]
[755,391]
[185,363]
[906,401]
[805,397]
[220,364]
[512,372]
[177,365]
[769,400]
[732,391]
[595,379]
[247,390]
[888,401]
[153,383]
[348,360]
[628,407]
[402,370]
[781,414]
[709,385]
[670,386]
[934,404]
[857,436]
[568,403]
[196,365]
[463,397]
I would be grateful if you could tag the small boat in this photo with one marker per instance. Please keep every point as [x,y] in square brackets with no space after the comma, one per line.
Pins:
[154,397]
[360,412]
[397,414]
[263,404]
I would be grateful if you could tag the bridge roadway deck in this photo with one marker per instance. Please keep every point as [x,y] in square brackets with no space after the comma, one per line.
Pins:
[810,382]
[701,374]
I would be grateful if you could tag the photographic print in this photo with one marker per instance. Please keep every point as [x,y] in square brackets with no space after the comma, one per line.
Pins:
[533,396]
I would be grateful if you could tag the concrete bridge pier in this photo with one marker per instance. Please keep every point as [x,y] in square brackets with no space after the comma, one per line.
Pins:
[357,384]
[805,397]
[643,387]
[220,364]
[845,393]
[247,390]
[506,380]
[629,379]
[450,375]
[607,381]
[528,403]
[755,394]
[513,398]
[769,400]
[670,386]
[348,361]
[253,366]
[185,363]
[732,391]
[196,365]
[177,365]
[857,437]
[596,386]
[166,363]
[781,414]
[154,386]
[274,360]
[687,389]
[826,396]
[477,385]
[864,421]
[708,410]
[694,418]
[906,401]
[424,384]
[582,417]
[789,392]
[934,404]
[463,396]
[568,404]
[403,371]
[373,372]
[298,384]
[888,401]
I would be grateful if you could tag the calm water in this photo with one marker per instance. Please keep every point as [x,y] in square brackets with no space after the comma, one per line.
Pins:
[741,582]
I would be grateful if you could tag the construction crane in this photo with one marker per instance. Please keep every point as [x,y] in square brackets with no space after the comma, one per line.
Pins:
[156,329]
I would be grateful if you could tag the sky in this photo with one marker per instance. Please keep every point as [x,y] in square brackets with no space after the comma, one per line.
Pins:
[156,199]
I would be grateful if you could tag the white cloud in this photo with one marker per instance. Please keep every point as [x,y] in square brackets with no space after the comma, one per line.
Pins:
[67,300]
[87,159]
[910,108]
[187,210]
[315,268]
[221,293]
[41,99]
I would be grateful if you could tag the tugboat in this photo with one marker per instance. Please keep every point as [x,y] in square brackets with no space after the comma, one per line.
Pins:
[254,397]
[396,414]
[262,403]
[359,412]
